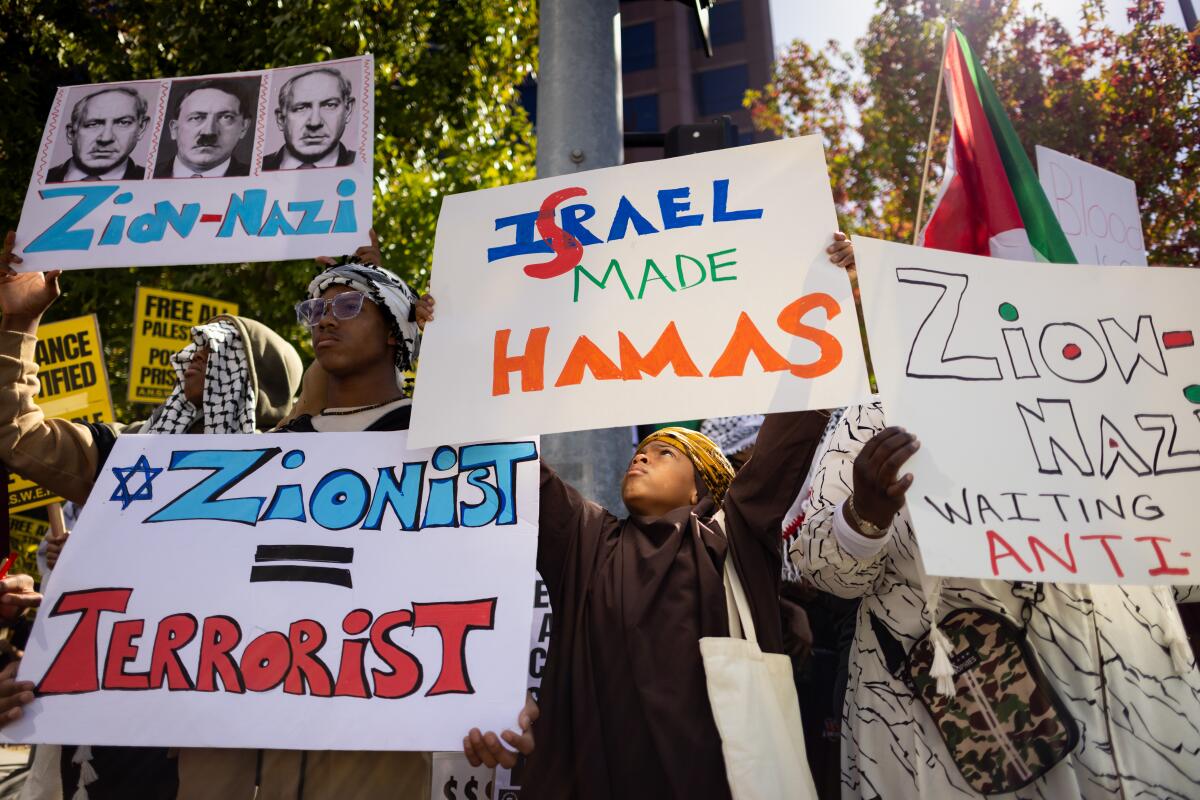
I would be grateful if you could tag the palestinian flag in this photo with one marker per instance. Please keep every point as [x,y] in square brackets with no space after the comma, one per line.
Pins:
[990,202]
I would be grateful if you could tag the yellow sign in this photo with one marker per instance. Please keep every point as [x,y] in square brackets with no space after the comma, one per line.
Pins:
[26,534]
[74,386]
[162,324]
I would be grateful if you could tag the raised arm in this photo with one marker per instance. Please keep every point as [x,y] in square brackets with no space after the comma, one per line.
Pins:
[828,551]
[765,487]
[567,522]
[58,455]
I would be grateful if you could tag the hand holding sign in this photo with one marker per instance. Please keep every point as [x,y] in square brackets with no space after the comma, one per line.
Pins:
[24,297]
[13,694]
[485,748]
[16,595]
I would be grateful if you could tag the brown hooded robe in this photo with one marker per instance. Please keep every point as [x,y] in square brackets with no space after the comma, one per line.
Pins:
[624,708]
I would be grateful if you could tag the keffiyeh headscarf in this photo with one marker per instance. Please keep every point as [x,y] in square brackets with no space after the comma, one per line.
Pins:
[714,469]
[397,302]
[733,434]
[229,398]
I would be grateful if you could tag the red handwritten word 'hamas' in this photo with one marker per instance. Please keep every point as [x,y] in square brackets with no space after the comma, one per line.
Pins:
[268,661]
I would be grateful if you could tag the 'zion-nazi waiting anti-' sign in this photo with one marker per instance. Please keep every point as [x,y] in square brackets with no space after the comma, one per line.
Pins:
[247,166]
[301,591]
[679,289]
[1058,408]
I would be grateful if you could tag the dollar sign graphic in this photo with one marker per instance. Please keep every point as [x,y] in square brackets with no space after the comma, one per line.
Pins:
[470,790]
[448,789]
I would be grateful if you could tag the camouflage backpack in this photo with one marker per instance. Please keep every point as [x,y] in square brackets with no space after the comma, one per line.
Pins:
[1005,726]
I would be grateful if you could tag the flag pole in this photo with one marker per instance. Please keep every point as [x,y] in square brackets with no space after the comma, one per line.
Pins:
[937,97]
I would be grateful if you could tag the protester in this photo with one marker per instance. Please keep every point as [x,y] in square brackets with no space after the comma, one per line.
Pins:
[237,375]
[1114,654]
[365,323]
[624,710]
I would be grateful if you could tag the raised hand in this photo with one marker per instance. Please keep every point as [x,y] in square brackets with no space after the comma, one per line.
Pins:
[367,254]
[24,296]
[878,493]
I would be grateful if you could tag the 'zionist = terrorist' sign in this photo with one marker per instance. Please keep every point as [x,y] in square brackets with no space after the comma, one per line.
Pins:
[680,289]
[1058,408]
[73,385]
[209,169]
[287,578]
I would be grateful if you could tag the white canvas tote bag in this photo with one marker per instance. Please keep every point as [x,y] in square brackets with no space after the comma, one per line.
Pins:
[754,704]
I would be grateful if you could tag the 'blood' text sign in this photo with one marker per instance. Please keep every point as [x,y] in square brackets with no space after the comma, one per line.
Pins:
[285,579]
[1058,408]
[679,289]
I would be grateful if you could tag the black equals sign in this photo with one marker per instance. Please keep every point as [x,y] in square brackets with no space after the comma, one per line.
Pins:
[316,553]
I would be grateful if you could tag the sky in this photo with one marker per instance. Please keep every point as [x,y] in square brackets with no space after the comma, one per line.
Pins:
[817,21]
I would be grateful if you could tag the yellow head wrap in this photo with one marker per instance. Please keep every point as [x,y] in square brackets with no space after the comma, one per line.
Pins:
[715,470]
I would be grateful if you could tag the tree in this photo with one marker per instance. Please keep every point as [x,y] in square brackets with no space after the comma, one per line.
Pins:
[1127,102]
[447,116]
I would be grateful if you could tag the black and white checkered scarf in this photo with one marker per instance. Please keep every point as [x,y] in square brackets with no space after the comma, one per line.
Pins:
[388,291]
[229,399]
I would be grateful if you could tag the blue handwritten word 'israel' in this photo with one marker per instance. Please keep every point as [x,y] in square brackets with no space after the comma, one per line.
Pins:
[672,210]
[417,494]
[251,212]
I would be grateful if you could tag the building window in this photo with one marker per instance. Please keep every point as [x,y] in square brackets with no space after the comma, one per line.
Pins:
[637,47]
[641,113]
[720,91]
[726,25]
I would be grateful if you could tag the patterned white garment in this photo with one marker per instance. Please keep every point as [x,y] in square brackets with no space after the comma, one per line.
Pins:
[1103,648]
[228,398]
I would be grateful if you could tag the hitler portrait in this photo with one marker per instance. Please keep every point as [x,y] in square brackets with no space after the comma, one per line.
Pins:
[209,131]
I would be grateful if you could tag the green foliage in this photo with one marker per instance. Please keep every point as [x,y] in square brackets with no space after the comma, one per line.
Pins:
[447,117]
[1127,102]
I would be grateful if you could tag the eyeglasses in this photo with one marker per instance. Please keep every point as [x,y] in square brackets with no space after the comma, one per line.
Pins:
[345,305]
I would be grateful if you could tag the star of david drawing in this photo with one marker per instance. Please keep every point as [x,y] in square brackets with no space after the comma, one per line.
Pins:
[124,474]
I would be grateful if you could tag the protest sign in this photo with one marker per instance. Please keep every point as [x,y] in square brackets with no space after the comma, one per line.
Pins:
[1058,409]
[162,323]
[453,778]
[25,535]
[678,289]
[246,166]
[1097,209]
[74,386]
[284,578]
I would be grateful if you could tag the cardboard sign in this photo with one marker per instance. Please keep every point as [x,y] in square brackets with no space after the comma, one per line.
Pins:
[679,289]
[1058,409]
[247,166]
[284,578]
[162,324]
[26,534]
[1097,209]
[74,386]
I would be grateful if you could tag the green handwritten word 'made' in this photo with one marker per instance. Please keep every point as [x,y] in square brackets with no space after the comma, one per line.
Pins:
[689,272]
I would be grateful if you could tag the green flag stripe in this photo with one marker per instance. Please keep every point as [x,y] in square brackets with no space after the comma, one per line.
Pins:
[1045,234]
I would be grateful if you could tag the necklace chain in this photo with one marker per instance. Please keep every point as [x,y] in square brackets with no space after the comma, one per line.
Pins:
[360,409]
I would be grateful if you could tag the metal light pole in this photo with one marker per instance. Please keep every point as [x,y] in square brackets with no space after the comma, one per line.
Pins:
[579,128]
